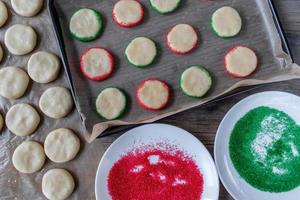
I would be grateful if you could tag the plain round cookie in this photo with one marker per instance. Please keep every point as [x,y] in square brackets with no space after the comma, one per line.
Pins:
[86,24]
[20,39]
[128,13]
[22,119]
[29,157]
[241,61]
[57,184]
[111,103]
[27,8]
[165,6]
[141,52]
[43,67]
[1,53]
[13,82]
[56,102]
[61,145]
[3,14]
[1,122]
[226,22]
[182,39]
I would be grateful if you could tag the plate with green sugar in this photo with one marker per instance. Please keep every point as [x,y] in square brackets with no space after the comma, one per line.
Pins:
[257,147]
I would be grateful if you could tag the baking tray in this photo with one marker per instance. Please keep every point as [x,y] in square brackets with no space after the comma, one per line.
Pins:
[262,32]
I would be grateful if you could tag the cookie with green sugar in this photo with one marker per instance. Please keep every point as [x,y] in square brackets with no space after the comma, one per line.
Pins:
[226,22]
[195,81]
[111,103]
[86,24]
[141,52]
[163,6]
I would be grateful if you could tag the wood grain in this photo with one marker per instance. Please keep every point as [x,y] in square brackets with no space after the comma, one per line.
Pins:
[203,122]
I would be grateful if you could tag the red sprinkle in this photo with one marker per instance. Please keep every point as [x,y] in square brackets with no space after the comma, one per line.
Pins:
[155,175]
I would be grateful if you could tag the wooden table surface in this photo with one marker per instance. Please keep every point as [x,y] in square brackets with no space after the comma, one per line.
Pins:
[203,121]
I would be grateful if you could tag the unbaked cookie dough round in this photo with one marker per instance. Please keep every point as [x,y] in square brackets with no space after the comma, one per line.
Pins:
[56,102]
[153,94]
[241,61]
[22,119]
[141,52]
[43,67]
[3,14]
[86,24]
[226,22]
[111,103]
[13,82]
[20,39]
[97,63]
[57,184]
[1,122]
[29,157]
[128,13]
[195,81]
[1,53]
[27,8]
[163,6]
[61,145]
[182,39]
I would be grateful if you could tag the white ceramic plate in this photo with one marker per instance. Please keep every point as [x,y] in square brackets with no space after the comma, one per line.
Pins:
[153,133]
[235,185]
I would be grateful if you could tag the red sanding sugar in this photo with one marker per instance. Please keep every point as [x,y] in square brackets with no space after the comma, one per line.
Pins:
[155,175]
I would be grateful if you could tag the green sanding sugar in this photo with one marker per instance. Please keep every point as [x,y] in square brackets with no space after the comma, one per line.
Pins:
[264,148]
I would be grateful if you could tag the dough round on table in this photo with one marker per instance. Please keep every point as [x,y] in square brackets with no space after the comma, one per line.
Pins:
[241,61]
[20,39]
[97,63]
[57,184]
[128,13]
[226,22]
[195,81]
[182,39]
[163,6]
[22,119]
[43,67]
[111,103]
[153,94]
[86,24]
[29,157]
[1,122]
[3,14]
[61,145]
[56,102]
[13,82]
[27,8]
[141,52]
[1,53]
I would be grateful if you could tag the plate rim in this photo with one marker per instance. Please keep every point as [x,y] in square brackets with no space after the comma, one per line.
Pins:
[157,124]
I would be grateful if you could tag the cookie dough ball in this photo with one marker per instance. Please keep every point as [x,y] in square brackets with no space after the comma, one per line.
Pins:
[13,82]
[27,8]
[1,122]
[20,39]
[61,145]
[56,102]
[43,67]
[3,14]
[29,157]
[57,184]
[22,119]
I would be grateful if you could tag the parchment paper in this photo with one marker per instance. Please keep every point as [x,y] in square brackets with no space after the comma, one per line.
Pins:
[259,33]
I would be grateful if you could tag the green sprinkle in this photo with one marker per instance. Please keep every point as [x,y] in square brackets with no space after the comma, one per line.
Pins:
[264,148]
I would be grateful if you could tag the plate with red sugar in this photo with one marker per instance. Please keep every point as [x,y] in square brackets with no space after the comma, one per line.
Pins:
[157,161]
